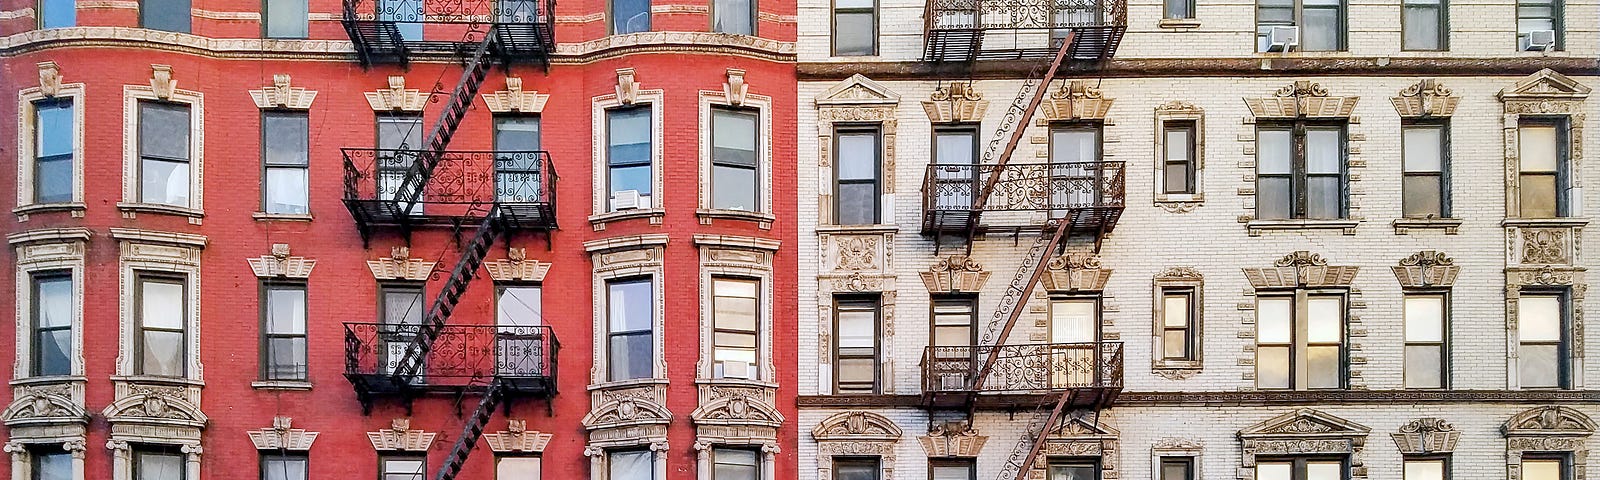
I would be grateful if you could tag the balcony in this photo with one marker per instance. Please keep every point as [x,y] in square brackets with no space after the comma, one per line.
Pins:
[463,358]
[465,188]
[390,31]
[1091,373]
[968,30]
[1082,196]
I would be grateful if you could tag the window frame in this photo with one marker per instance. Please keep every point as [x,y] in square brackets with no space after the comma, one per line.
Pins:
[1444,459]
[717,369]
[1191,328]
[41,20]
[1167,14]
[715,449]
[136,462]
[1299,21]
[266,23]
[1557,20]
[267,456]
[537,170]
[1442,12]
[1444,336]
[189,157]
[188,27]
[72,151]
[1563,360]
[1299,345]
[1298,464]
[833,32]
[650,158]
[1191,128]
[859,303]
[35,278]
[1563,173]
[971,464]
[1564,458]
[651,454]
[267,166]
[1443,125]
[840,131]
[612,335]
[267,335]
[755,169]
[181,280]
[755,18]
[1298,175]
[384,458]
[872,462]
[1188,462]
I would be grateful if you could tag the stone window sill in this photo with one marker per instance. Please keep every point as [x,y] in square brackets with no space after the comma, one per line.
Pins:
[599,221]
[612,385]
[281,217]
[1403,226]
[129,210]
[157,380]
[1348,227]
[1180,202]
[74,208]
[1176,369]
[762,220]
[737,382]
[1177,23]
[280,385]
[858,229]
[1545,222]
[49,380]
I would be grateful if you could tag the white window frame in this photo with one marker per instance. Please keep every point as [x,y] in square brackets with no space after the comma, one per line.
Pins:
[26,136]
[161,253]
[601,105]
[761,105]
[737,258]
[627,258]
[43,251]
[1180,112]
[130,204]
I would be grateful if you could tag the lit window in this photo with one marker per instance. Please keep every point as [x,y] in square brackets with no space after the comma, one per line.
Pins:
[164,148]
[1542,335]
[1425,340]
[1300,341]
[735,315]
[1300,172]
[53,148]
[286,18]
[1542,181]
[632,328]
[285,333]
[52,323]
[855,27]
[169,15]
[628,157]
[856,176]
[286,156]
[735,183]
[856,345]
[1425,193]
[163,313]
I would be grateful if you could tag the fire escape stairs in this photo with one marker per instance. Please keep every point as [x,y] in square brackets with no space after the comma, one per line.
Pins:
[410,190]
[471,431]
[1027,449]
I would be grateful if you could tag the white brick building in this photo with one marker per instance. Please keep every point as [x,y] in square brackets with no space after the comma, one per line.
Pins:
[1301,235]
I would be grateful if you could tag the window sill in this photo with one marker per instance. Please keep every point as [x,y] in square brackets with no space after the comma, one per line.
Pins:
[762,220]
[735,382]
[635,382]
[158,380]
[1255,227]
[858,229]
[1176,369]
[280,385]
[1451,226]
[49,380]
[654,214]
[130,210]
[1178,23]
[1545,222]
[75,208]
[1180,202]
[281,217]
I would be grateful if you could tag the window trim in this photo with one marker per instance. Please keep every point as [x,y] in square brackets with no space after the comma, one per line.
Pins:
[1443,458]
[1191,329]
[383,458]
[610,335]
[1191,165]
[1443,125]
[141,277]
[860,300]
[1563,173]
[971,465]
[1444,336]
[1298,175]
[1188,461]
[1564,368]
[132,200]
[266,366]
[35,277]
[268,455]
[1443,35]
[1299,356]
[267,167]
[1558,10]
[757,169]
[876,130]
[833,23]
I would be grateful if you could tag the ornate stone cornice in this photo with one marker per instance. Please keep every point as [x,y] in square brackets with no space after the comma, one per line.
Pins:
[949,440]
[856,426]
[955,102]
[282,436]
[1426,268]
[1301,269]
[280,265]
[1549,420]
[397,98]
[516,438]
[1075,100]
[514,99]
[955,273]
[1426,436]
[517,267]
[400,437]
[857,90]
[281,95]
[1545,84]
[1302,99]
[399,266]
[1075,272]
[1426,98]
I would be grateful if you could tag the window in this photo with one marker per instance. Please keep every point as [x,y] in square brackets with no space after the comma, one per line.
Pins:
[1425,340]
[164,148]
[1300,172]
[1536,16]
[286,156]
[1177,468]
[1075,173]
[630,465]
[1178,158]
[955,152]
[52,324]
[1178,333]
[630,16]
[632,323]
[517,165]
[734,16]
[405,15]
[401,468]
[169,15]
[286,466]
[516,468]
[1427,469]
[57,13]
[1545,467]
[855,27]
[400,317]
[1178,9]
[284,339]
[953,469]
[1300,341]
[856,173]
[54,465]
[855,468]
[735,316]
[1542,334]
[1542,181]
[1300,469]
[735,464]
[163,313]
[399,139]
[53,146]
[855,345]
[158,464]
[953,320]
[286,18]
[734,176]
[1061,469]
[1321,22]
[519,342]
[1426,158]
[628,155]
[1425,25]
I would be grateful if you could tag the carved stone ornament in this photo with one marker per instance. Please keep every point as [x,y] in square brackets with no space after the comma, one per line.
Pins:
[399,266]
[45,403]
[1304,432]
[1082,435]
[737,405]
[1302,99]
[397,98]
[517,267]
[955,102]
[514,99]
[516,438]
[280,265]
[857,90]
[1545,84]
[955,273]
[857,252]
[156,404]
[952,439]
[161,81]
[281,95]
[735,89]
[1072,272]
[281,436]
[1425,436]
[1552,246]
[856,426]
[629,406]
[627,87]
[1426,268]
[1549,420]
[1301,269]
[1075,100]
[400,437]
[1548,429]
[1426,98]
[49,79]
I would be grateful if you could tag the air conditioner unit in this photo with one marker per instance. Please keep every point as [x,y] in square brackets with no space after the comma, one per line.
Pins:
[1283,39]
[1538,40]
[629,199]
[735,369]
[953,381]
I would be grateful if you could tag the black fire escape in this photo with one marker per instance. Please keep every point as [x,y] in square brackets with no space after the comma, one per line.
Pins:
[493,193]
[1058,201]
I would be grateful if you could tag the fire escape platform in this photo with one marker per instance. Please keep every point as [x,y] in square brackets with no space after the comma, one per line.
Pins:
[523,30]
[1083,197]
[463,359]
[974,30]
[1090,374]
[516,187]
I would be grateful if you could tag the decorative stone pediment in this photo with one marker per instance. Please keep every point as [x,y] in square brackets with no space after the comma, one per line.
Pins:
[280,265]
[50,403]
[1426,98]
[955,274]
[281,95]
[1426,268]
[397,98]
[156,404]
[49,78]
[1074,272]
[1082,435]
[627,86]
[1304,423]
[1545,84]
[1301,269]
[1302,99]
[516,438]
[733,404]
[514,99]
[858,90]
[1548,429]
[400,437]
[400,266]
[952,439]
[856,426]
[161,81]
[282,436]
[517,267]
[955,102]
[1425,436]
[1304,432]
[735,90]
[1549,420]
[1075,100]
[620,407]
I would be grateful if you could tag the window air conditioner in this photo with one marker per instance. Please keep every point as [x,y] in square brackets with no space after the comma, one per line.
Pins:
[952,381]
[628,199]
[734,369]
[1538,40]
[1283,39]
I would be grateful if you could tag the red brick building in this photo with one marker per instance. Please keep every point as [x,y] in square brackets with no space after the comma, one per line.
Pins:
[238,227]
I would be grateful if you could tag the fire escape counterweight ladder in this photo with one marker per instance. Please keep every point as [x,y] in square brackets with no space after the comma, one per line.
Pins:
[471,432]
[1020,460]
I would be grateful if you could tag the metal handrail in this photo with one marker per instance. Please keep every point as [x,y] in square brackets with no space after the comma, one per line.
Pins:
[1024,368]
[1025,186]
[462,177]
[461,353]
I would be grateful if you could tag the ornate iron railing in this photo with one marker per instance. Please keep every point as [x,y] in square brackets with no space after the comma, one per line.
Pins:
[463,183]
[461,355]
[488,12]
[1030,368]
[1035,186]
[1024,14]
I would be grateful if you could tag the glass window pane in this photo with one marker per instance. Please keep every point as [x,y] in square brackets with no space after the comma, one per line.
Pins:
[734,136]
[164,130]
[1322,28]
[1175,309]
[57,13]
[1323,154]
[1272,367]
[858,156]
[631,356]
[286,311]
[1423,196]
[1539,366]
[1422,27]
[517,468]
[1325,319]
[629,135]
[1074,145]
[1274,471]
[1274,320]
[854,33]
[164,182]
[52,466]
[162,305]
[629,16]
[858,204]
[954,147]
[855,470]
[1538,148]
[857,329]
[169,15]
[1323,367]
[519,306]
[286,358]
[287,190]
[1324,197]
[857,370]
[1179,9]
[53,302]
[402,306]
[1176,470]
[1074,321]
[733,188]
[54,128]
[286,137]
[1177,143]
[1324,471]
[286,19]
[632,306]
[1538,195]
[1273,151]
[952,336]
[1541,469]
[1273,198]
[520,133]
[732,16]
[630,465]
[403,469]
[1539,318]
[1176,178]
[163,353]
[399,132]
[952,472]
[1423,146]
[1174,344]
[53,182]
[158,466]
[1424,366]
[1424,316]
[53,348]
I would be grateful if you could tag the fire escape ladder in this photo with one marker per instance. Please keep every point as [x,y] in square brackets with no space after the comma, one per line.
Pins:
[1017,294]
[471,432]
[461,276]
[410,189]
[1032,441]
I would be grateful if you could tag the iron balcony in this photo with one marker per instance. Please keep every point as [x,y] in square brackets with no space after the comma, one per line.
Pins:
[390,31]
[1089,372]
[464,188]
[463,357]
[1081,196]
[967,30]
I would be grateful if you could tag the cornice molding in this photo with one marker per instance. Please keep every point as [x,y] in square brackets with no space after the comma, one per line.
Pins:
[1208,67]
[1255,398]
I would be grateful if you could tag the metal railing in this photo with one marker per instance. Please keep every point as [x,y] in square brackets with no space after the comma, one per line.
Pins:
[1026,186]
[463,182]
[1024,14]
[491,12]
[461,355]
[1029,368]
